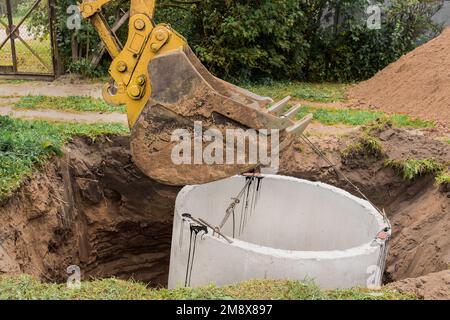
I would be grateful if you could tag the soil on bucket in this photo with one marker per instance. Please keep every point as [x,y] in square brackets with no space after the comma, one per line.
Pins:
[94,208]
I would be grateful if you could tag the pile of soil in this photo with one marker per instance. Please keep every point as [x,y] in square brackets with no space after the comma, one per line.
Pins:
[417,84]
[95,209]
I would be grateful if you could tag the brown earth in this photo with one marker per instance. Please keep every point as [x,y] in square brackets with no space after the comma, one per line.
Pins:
[434,286]
[95,209]
[417,84]
[419,211]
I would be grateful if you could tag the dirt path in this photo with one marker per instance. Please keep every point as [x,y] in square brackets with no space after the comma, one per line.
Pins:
[53,115]
[59,88]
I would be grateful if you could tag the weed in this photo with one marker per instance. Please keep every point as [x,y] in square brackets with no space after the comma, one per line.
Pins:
[366,146]
[410,169]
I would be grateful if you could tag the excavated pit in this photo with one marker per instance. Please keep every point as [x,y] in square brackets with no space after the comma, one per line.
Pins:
[93,208]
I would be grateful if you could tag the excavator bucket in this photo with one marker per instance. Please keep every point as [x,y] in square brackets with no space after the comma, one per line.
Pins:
[187,126]
[186,95]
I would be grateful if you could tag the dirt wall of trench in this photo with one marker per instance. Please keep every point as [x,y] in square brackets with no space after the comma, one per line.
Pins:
[93,208]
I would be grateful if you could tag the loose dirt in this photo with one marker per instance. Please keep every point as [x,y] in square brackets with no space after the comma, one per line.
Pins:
[95,209]
[434,286]
[62,87]
[417,84]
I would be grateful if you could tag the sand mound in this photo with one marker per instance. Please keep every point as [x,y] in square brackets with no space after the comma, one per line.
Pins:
[417,84]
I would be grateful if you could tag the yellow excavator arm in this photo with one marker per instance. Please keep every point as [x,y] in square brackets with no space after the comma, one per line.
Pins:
[129,68]
[166,90]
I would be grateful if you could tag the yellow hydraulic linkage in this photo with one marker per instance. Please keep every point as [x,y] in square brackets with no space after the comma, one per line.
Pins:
[129,68]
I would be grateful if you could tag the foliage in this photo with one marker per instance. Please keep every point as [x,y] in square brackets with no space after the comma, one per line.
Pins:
[70,103]
[25,287]
[37,22]
[351,51]
[248,40]
[24,144]
[85,40]
[443,178]
[82,66]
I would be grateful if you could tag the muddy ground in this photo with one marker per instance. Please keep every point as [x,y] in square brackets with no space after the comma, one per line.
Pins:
[95,209]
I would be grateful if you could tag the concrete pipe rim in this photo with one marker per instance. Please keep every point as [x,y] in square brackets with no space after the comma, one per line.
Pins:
[362,249]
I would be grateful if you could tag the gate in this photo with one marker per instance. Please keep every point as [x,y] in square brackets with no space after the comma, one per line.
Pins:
[27,48]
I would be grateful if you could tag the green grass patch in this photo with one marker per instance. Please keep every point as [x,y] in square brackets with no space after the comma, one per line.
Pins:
[24,144]
[25,287]
[443,178]
[411,169]
[402,120]
[356,117]
[71,103]
[366,145]
[317,92]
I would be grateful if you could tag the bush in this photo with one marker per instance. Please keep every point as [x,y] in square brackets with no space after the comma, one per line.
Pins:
[248,40]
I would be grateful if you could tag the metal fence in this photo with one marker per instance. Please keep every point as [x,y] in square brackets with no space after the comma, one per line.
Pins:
[27,38]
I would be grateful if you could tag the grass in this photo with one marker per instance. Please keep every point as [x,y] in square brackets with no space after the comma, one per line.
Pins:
[356,117]
[323,92]
[71,103]
[366,145]
[25,287]
[410,169]
[25,144]
[443,178]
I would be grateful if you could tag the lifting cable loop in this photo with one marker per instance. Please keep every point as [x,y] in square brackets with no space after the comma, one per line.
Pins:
[339,172]
[383,237]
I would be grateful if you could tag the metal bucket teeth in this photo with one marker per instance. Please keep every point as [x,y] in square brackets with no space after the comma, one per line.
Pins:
[278,107]
[185,95]
[300,126]
[292,112]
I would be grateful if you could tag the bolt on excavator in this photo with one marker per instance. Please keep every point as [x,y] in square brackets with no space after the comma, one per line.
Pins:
[166,88]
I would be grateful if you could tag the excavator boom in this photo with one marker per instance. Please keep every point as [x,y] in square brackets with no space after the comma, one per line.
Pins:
[168,93]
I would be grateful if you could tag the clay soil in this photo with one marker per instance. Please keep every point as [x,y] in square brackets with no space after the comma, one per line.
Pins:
[417,84]
[95,209]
